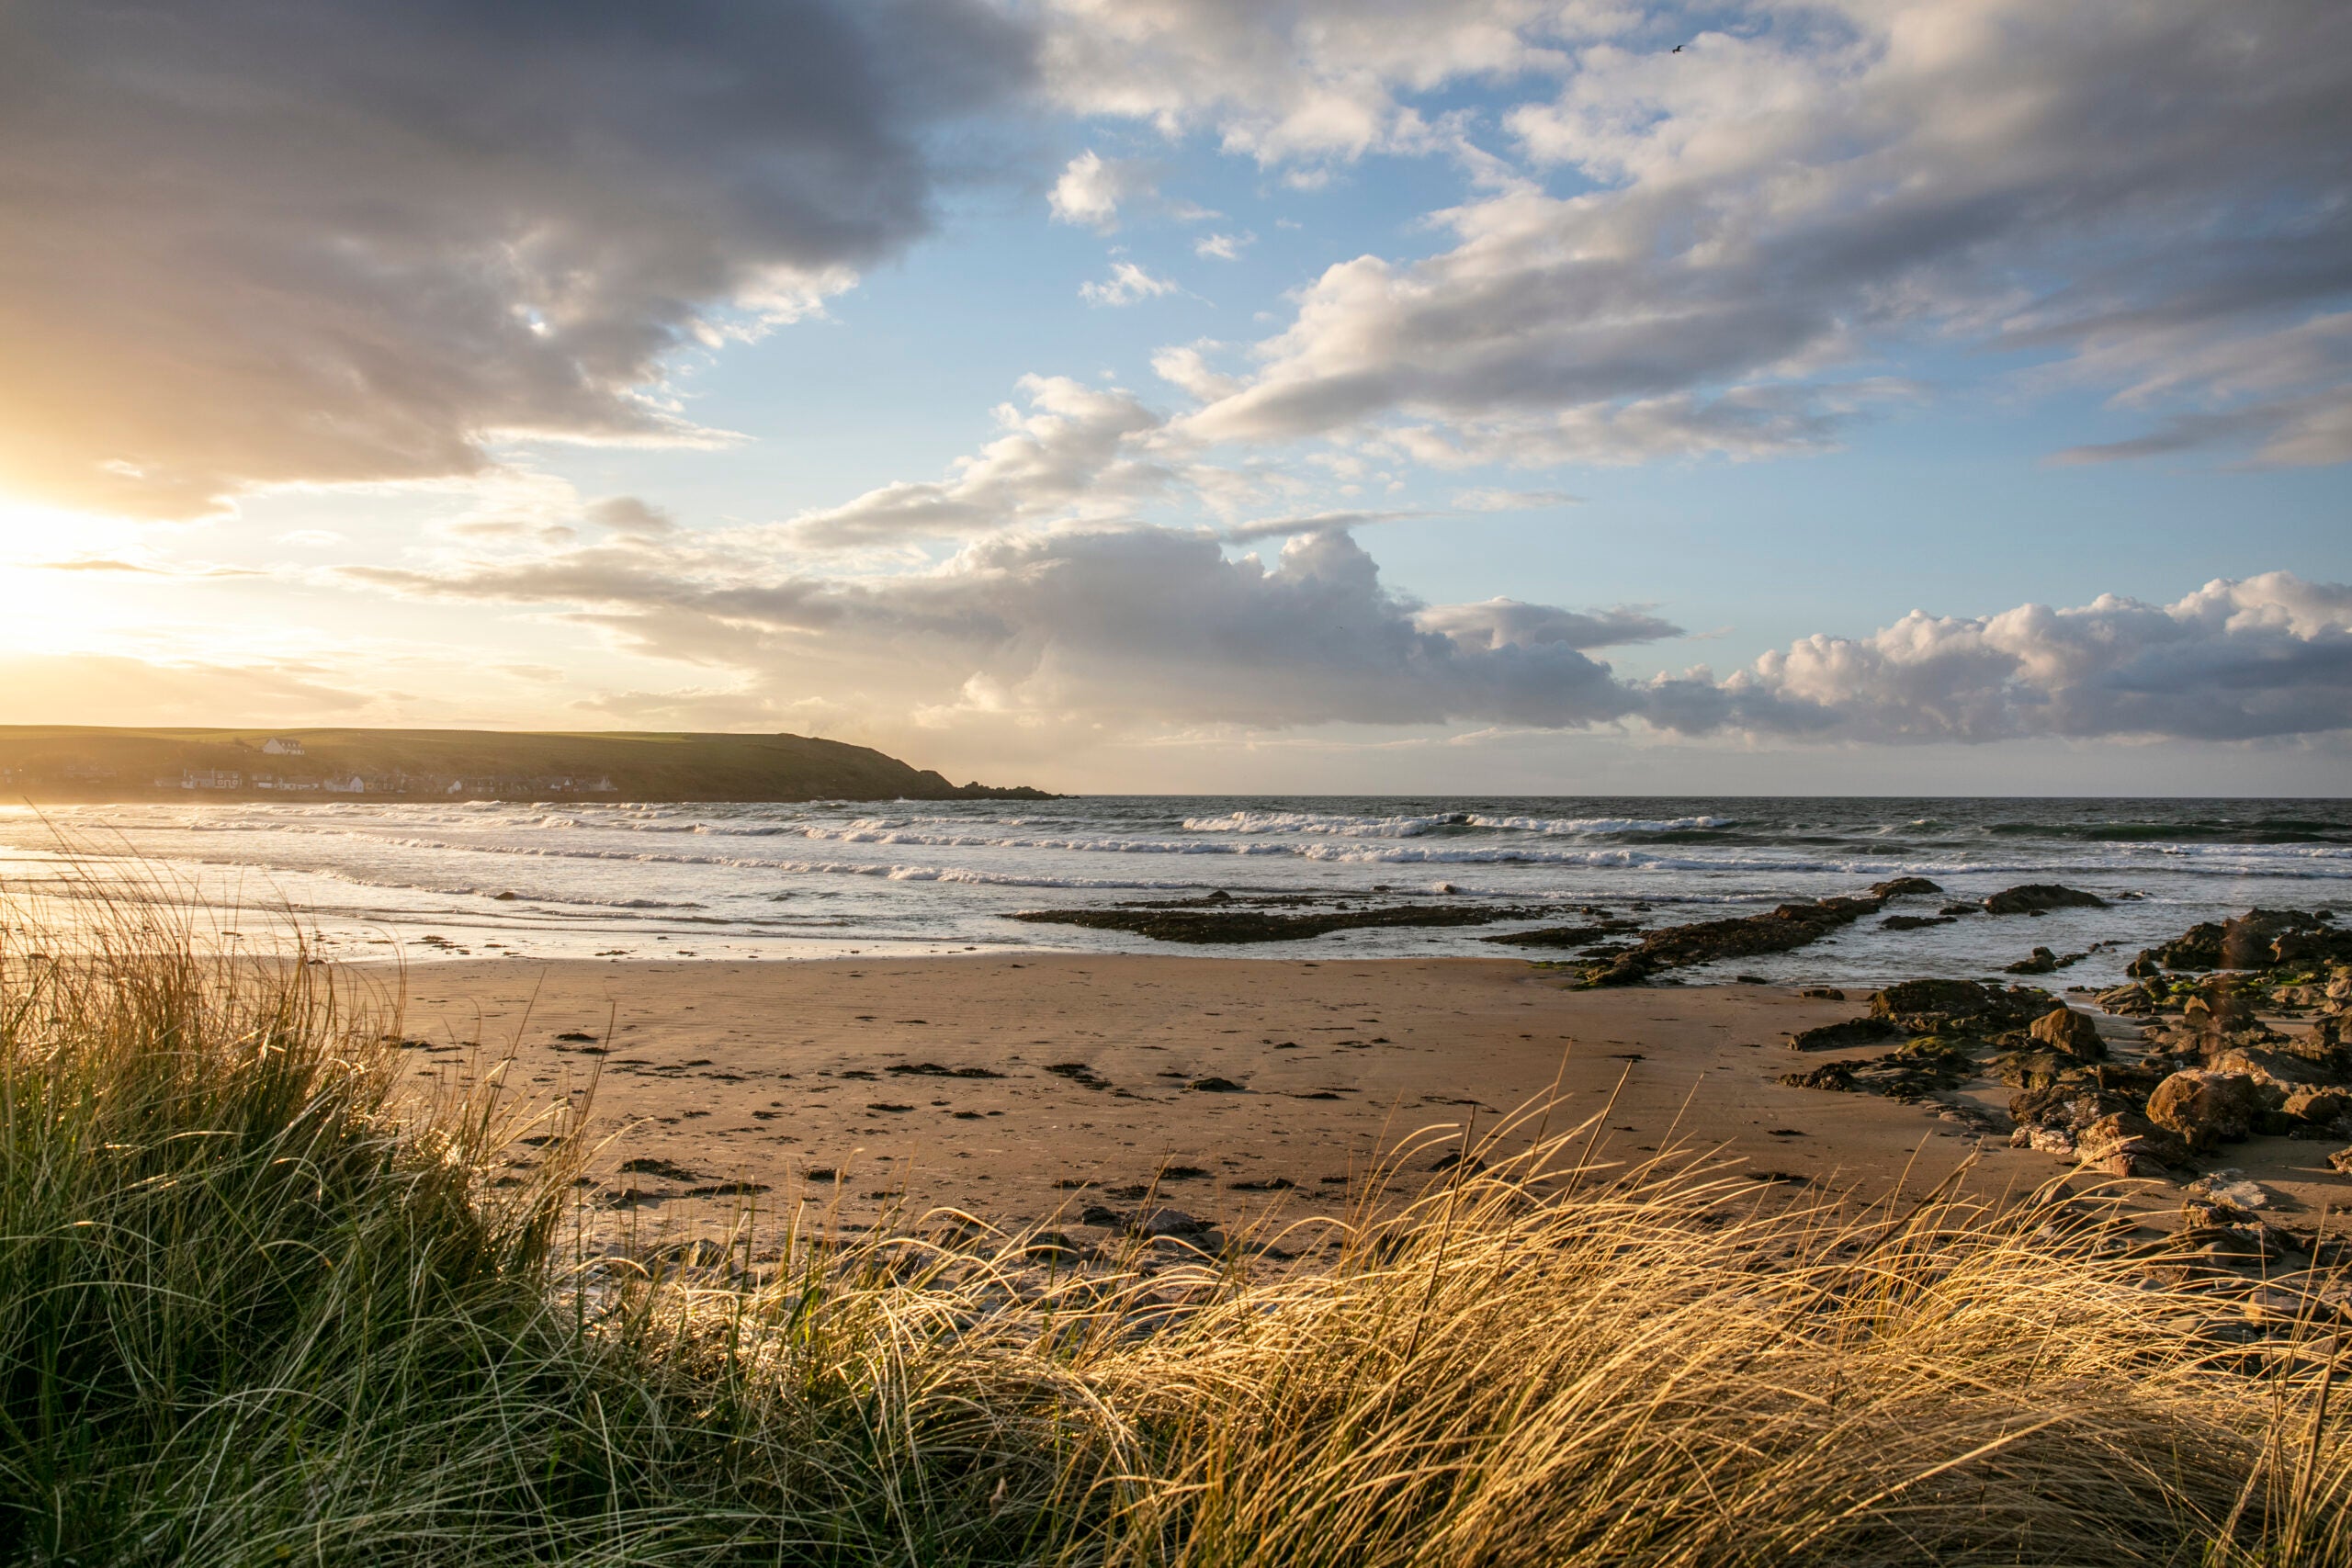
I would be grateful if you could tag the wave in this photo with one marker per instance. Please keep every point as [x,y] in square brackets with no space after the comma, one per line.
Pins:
[1312,823]
[2278,831]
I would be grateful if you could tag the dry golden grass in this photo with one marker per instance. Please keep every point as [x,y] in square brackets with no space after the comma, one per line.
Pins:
[254,1308]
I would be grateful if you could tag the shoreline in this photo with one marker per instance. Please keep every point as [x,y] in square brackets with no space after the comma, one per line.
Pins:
[1026,1088]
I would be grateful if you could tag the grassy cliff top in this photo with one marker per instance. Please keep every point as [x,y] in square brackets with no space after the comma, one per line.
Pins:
[86,763]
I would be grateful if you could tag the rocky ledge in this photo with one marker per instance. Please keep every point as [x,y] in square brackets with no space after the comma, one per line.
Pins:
[1222,918]
[2244,1030]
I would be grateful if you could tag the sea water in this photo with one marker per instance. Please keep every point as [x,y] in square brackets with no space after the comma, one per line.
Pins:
[833,878]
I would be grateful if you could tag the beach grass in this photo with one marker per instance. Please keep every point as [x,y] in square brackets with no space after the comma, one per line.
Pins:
[260,1305]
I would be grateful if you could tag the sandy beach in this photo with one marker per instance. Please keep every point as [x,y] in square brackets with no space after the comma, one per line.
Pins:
[1022,1088]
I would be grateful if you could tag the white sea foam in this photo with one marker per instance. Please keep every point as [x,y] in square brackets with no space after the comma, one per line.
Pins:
[943,873]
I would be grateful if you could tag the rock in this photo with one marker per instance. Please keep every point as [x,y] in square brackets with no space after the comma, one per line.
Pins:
[2135,1001]
[1958,1007]
[2044,1140]
[1840,1036]
[2341,1162]
[1904,887]
[1830,1074]
[1167,1221]
[2124,1144]
[1212,920]
[2259,939]
[2145,968]
[2206,1107]
[1673,947]
[2043,963]
[2034,898]
[2279,1073]
[2071,1106]
[2070,1034]
[1098,1214]
[1916,922]
[509,897]
[2232,1187]
[1216,1086]
[1052,1246]
[2199,947]
[2321,1106]
[1823,994]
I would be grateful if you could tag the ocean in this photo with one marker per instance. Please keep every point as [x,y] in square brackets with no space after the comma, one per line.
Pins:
[823,880]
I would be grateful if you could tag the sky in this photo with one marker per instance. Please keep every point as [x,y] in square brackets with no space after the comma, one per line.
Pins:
[1262,395]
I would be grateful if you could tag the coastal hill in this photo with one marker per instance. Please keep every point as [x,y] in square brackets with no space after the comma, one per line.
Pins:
[61,763]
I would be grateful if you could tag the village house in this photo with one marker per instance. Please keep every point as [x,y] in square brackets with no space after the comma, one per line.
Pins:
[281,746]
[206,778]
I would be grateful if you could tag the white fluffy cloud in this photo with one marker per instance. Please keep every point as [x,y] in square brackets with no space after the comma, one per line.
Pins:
[1090,189]
[264,241]
[1067,457]
[1129,284]
[2262,657]
[2149,192]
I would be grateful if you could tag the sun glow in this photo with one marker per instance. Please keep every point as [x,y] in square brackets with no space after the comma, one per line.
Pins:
[70,582]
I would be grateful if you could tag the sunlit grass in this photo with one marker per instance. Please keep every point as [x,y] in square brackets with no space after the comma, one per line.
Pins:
[257,1307]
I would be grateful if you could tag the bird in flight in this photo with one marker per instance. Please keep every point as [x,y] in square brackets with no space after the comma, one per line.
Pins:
[1675,50]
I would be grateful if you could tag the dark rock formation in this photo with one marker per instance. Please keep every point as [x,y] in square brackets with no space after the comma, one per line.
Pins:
[1958,1007]
[1904,887]
[2035,897]
[1675,947]
[1840,1036]
[1229,921]
[1916,922]
[1918,1070]
[2259,939]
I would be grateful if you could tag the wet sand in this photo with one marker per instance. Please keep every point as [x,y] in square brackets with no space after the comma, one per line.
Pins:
[1019,1088]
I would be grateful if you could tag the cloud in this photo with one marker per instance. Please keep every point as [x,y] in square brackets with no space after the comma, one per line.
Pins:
[1489,499]
[1290,80]
[1066,456]
[258,242]
[1091,188]
[1312,523]
[1187,369]
[1223,247]
[2145,195]
[1129,284]
[629,515]
[2238,659]
[1119,627]
[1497,623]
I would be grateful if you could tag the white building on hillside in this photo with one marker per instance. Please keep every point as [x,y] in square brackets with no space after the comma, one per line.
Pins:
[282,746]
[350,784]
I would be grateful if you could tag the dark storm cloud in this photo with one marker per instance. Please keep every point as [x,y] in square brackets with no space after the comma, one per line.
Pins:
[268,240]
